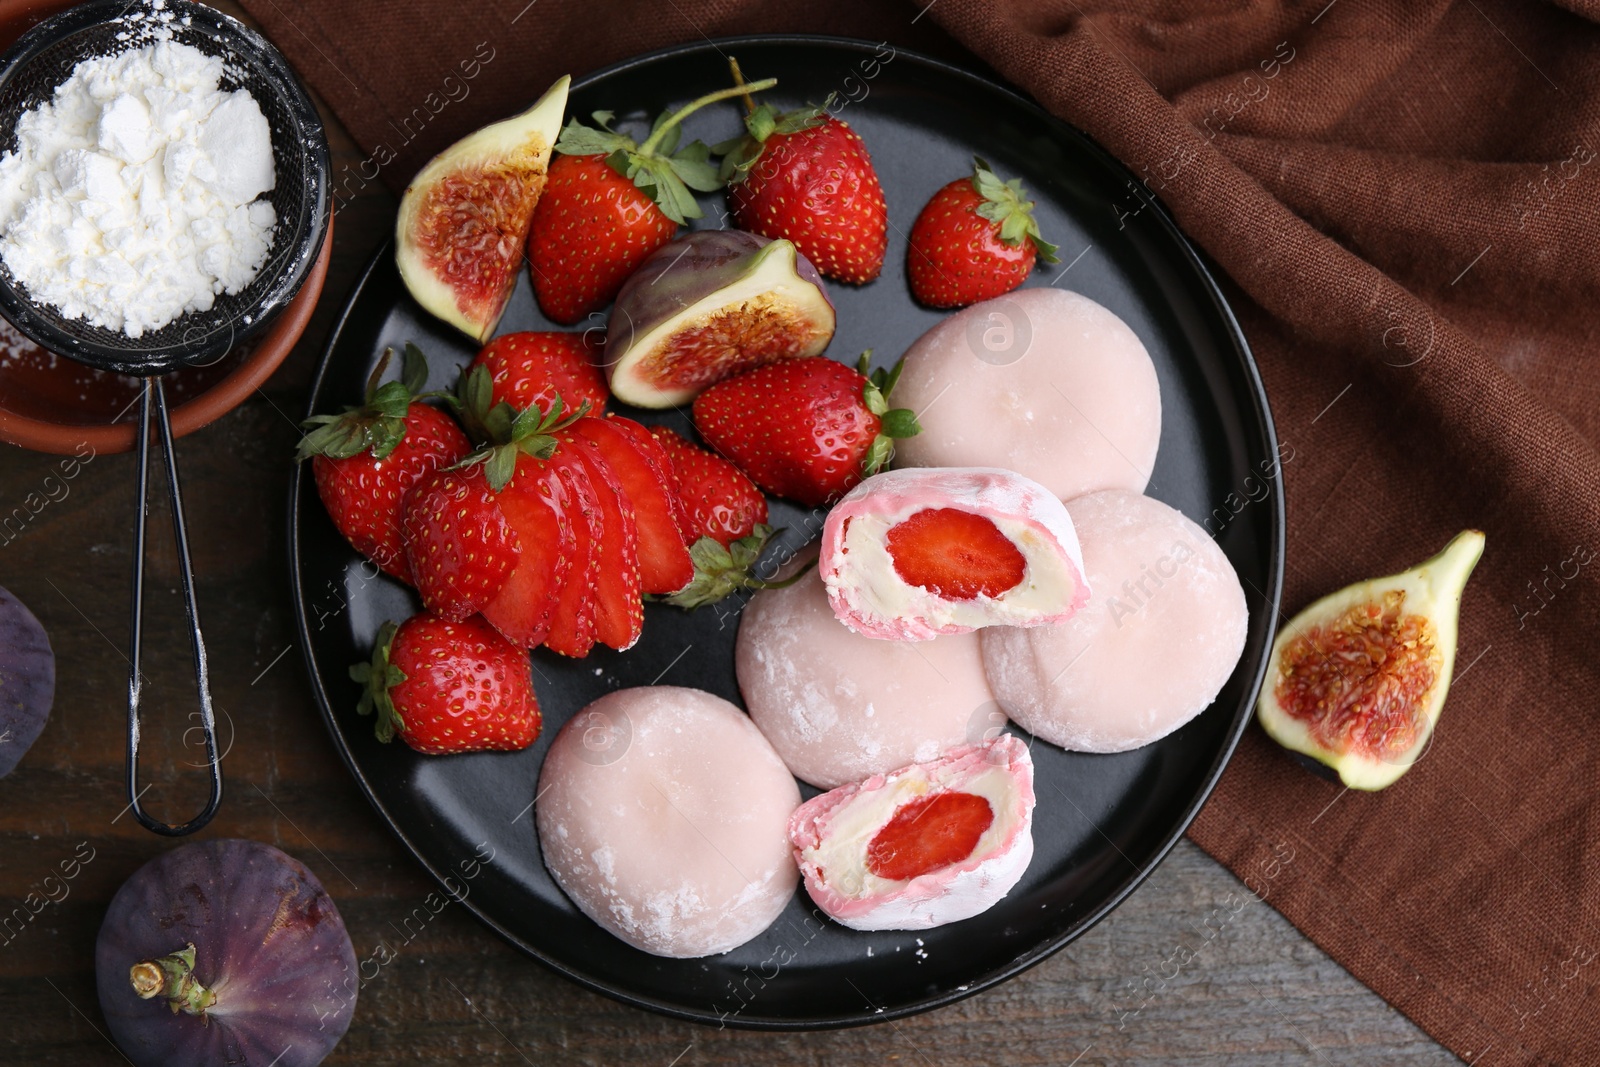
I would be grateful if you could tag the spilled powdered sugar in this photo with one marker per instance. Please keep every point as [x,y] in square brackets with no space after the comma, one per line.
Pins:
[131,196]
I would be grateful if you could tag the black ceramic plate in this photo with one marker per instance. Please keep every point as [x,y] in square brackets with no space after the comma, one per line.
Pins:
[1102,822]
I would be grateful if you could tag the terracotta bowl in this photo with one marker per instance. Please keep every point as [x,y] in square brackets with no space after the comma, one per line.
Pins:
[51,404]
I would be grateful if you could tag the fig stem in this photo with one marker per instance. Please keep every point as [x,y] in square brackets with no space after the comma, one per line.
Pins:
[738,80]
[172,976]
[695,105]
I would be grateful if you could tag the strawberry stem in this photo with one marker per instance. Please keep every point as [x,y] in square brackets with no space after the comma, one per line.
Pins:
[692,106]
[738,80]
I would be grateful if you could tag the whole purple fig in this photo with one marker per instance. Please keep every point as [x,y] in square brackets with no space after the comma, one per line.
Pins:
[27,680]
[706,307]
[225,952]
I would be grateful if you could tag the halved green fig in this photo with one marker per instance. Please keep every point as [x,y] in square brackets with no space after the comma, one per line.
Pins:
[464,218]
[708,306]
[1357,680]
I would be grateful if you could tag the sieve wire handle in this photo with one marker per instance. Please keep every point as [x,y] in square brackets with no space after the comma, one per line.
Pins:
[154,396]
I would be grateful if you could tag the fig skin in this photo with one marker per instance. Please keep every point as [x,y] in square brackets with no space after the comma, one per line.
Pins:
[520,143]
[27,680]
[269,944]
[689,281]
[1433,590]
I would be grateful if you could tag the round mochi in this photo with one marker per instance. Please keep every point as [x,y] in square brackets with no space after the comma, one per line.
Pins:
[1163,629]
[1041,381]
[839,707]
[663,813]
[862,571]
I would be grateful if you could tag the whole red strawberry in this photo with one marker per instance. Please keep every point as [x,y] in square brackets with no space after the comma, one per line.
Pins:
[720,501]
[807,429]
[365,460]
[533,368]
[806,175]
[447,687]
[590,231]
[976,239]
[608,202]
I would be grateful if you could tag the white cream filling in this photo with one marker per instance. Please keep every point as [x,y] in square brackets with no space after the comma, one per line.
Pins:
[841,853]
[1048,586]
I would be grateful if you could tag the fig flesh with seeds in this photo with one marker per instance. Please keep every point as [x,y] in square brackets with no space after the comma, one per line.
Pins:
[710,305]
[465,217]
[1358,679]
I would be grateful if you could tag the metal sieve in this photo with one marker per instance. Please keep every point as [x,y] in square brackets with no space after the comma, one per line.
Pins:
[30,70]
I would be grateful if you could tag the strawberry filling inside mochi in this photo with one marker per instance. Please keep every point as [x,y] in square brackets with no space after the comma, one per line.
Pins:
[908,555]
[928,844]
[928,833]
[955,554]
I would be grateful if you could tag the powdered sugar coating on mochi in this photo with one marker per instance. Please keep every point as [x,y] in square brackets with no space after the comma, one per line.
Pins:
[663,813]
[1041,381]
[832,834]
[1163,630]
[869,596]
[839,707]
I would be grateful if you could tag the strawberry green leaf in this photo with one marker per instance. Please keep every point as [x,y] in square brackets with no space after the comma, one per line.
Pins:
[886,380]
[376,678]
[579,140]
[334,436]
[414,369]
[656,178]
[1007,203]
[803,118]
[720,572]
[499,467]
[507,432]
[694,169]
[899,422]
[879,453]
[893,423]
[379,424]
[873,397]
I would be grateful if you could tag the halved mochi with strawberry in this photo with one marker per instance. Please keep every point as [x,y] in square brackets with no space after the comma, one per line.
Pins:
[929,844]
[911,554]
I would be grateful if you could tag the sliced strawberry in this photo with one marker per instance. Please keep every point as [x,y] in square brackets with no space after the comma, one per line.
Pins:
[458,544]
[619,607]
[721,502]
[664,564]
[955,554]
[534,505]
[572,627]
[928,833]
[656,453]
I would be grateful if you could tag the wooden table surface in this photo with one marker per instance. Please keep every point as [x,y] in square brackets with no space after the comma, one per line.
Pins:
[1257,993]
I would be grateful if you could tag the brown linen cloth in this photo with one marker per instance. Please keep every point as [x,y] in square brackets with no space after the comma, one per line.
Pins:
[1403,194]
